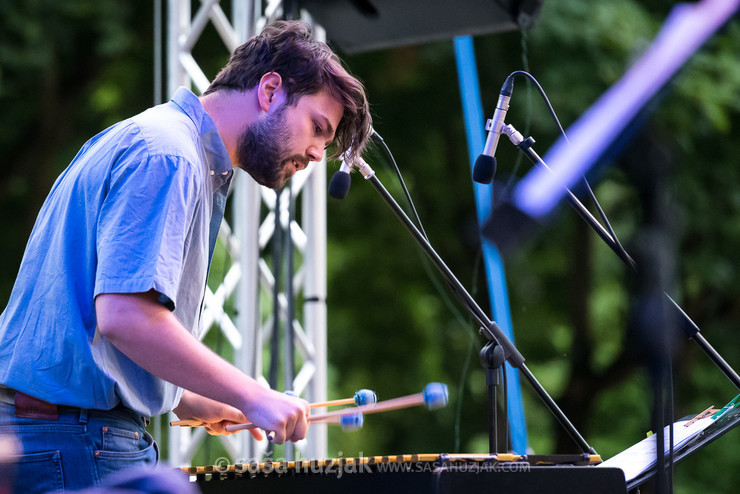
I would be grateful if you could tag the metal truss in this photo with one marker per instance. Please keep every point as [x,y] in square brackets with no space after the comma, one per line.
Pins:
[263,299]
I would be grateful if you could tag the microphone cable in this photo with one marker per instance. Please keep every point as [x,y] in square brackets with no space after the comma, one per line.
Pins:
[607,224]
[401,181]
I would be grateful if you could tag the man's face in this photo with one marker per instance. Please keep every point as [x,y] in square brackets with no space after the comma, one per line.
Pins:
[284,140]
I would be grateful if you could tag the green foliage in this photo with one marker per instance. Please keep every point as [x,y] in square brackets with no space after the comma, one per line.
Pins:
[67,70]
[577,50]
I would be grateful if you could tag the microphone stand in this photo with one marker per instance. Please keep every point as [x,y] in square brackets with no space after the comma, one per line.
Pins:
[489,328]
[691,329]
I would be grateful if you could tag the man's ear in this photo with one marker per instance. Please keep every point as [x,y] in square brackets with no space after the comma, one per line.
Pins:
[269,90]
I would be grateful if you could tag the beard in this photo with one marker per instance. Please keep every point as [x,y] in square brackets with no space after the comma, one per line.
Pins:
[261,149]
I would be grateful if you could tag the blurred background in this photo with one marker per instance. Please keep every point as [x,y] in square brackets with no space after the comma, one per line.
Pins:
[69,69]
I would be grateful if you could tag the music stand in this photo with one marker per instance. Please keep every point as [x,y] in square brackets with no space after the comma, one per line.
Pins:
[719,428]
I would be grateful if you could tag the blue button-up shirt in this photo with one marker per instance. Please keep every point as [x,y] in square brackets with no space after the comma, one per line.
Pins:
[138,209]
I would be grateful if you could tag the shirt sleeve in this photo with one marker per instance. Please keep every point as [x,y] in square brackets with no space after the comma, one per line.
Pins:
[143,226]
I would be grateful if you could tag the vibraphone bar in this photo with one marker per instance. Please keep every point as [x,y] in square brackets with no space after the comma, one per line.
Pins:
[406,473]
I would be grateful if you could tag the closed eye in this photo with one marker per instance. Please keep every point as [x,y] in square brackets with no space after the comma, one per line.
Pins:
[322,127]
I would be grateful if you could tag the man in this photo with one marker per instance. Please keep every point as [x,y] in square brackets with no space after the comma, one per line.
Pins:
[100,331]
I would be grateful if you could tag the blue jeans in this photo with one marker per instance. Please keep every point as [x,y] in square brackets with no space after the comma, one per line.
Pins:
[78,450]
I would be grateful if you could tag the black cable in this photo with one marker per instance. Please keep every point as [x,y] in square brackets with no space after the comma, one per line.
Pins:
[426,265]
[402,182]
[589,190]
[408,198]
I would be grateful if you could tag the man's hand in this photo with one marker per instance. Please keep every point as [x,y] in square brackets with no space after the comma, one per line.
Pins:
[284,415]
[214,415]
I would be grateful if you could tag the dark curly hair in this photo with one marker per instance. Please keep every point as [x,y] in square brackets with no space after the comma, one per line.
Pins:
[306,66]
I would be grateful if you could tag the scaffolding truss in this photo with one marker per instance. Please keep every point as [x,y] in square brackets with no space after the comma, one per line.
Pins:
[276,263]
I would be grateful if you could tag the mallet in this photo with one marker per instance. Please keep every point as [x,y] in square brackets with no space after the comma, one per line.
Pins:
[348,421]
[434,396]
[361,397]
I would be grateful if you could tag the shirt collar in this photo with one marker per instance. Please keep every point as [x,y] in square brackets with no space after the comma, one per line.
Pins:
[218,157]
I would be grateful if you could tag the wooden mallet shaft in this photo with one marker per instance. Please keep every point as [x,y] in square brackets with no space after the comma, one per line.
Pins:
[433,396]
[381,406]
[363,396]
[333,403]
[348,421]
[336,416]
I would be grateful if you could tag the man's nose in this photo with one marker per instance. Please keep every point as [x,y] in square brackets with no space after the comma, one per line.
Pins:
[315,153]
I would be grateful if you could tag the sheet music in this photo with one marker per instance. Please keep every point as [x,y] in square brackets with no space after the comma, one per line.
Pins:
[640,457]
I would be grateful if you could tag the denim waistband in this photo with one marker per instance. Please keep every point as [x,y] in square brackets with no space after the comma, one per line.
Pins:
[8,396]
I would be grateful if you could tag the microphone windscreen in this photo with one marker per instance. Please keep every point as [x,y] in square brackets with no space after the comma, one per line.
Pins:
[484,169]
[339,185]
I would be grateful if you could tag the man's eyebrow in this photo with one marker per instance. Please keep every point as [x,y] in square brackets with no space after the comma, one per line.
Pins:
[327,124]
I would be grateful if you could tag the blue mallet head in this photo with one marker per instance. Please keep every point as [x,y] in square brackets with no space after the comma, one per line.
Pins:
[365,397]
[351,422]
[435,395]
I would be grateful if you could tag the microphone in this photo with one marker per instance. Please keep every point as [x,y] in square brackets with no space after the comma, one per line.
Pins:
[485,165]
[340,181]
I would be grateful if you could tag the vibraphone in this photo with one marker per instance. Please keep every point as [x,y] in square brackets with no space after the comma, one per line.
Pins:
[409,473]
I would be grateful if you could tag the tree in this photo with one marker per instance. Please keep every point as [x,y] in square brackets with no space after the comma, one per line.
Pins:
[571,298]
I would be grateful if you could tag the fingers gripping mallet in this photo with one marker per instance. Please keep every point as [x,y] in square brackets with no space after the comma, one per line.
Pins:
[361,397]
